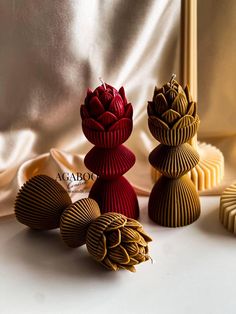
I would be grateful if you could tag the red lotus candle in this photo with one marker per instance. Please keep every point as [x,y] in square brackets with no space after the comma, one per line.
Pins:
[107,123]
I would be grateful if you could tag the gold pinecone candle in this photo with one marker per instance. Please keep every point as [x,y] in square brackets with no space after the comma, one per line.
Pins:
[117,242]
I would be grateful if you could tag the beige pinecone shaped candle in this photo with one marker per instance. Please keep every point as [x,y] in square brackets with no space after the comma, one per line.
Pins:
[173,121]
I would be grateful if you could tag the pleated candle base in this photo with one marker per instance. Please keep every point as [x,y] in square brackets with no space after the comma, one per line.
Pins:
[115,196]
[174,202]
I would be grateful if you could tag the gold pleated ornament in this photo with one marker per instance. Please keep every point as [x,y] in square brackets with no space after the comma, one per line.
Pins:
[40,203]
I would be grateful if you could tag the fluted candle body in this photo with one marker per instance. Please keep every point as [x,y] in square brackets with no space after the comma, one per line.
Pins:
[107,123]
[173,121]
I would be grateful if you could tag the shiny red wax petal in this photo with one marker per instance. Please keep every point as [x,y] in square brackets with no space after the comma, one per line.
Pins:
[107,118]
[93,124]
[122,93]
[100,89]
[96,93]
[124,123]
[128,111]
[84,112]
[106,99]
[111,88]
[117,106]
[95,107]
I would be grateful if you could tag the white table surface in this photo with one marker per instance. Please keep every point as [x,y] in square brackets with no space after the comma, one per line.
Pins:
[194,272]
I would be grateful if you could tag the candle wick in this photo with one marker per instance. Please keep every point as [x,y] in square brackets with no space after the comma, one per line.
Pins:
[103,83]
[151,259]
[173,76]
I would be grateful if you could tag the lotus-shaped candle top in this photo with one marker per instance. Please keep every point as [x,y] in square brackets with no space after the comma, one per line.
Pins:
[117,242]
[172,106]
[106,116]
[104,107]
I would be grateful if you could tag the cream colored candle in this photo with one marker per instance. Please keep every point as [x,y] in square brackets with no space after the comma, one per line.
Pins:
[189,45]
[209,172]
[189,50]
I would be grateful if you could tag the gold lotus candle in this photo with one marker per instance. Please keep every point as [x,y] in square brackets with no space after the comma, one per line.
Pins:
[173,121]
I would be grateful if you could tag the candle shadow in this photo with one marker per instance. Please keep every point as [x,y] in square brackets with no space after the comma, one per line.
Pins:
[44,251]
[211,224]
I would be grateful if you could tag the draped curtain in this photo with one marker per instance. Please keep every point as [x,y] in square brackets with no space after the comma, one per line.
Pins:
[51,51]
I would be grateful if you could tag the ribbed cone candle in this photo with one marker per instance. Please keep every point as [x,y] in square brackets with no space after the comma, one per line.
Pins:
[76,219]
[40,203]
[178,202]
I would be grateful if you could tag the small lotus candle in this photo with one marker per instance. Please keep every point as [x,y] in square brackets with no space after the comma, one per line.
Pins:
[107,123]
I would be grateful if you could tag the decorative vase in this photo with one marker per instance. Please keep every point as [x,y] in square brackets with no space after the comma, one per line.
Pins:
[173,121]
[107,123]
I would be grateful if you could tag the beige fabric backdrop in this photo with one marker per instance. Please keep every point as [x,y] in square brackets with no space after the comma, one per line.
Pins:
[51,51]
[216,78]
